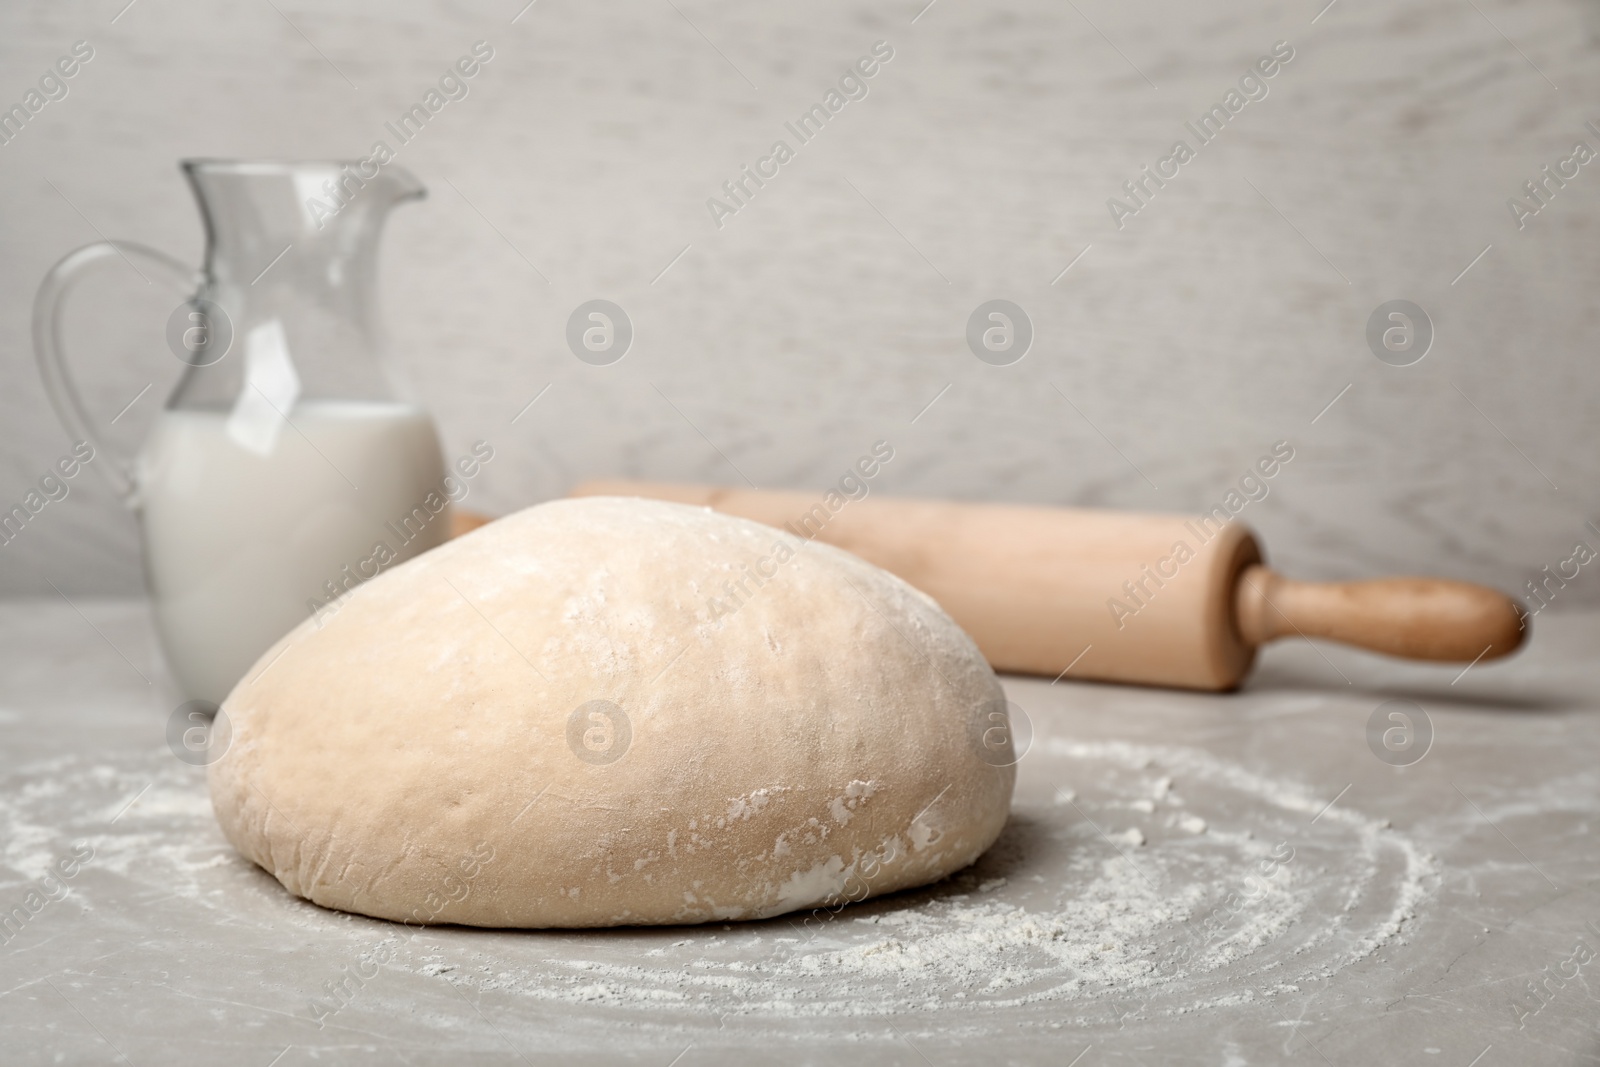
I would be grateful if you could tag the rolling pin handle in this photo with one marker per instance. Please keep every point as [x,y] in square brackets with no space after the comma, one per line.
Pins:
[1418,618]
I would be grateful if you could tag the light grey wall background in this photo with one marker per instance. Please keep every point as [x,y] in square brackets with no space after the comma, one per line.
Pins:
[828,313]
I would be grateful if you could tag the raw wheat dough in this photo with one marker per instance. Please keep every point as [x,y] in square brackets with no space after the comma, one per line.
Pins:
[418,757]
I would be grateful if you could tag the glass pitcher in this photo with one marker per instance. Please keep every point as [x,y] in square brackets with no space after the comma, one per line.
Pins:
[283,470]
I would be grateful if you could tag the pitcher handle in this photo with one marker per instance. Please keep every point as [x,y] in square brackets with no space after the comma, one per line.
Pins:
[47,309]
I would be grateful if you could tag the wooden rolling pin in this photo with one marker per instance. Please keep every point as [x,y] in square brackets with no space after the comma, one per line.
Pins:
[1118,596]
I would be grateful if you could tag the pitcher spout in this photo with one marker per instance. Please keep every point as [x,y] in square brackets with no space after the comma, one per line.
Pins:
[245,203]
[365,187]
[402,185]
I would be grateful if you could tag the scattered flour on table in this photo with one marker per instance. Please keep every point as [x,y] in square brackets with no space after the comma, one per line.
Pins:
[1178,908]
[1114,884]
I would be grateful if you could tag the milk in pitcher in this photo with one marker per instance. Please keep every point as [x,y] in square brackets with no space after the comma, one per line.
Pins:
[239,547]
[284,468]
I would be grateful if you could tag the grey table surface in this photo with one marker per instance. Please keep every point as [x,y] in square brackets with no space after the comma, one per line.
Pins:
[1186,879]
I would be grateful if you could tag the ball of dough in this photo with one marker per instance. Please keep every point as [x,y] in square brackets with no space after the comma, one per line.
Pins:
[610,711]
